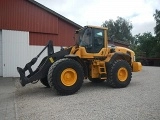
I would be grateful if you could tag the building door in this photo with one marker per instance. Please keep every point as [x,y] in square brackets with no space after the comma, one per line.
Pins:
[1,64]
[15,47]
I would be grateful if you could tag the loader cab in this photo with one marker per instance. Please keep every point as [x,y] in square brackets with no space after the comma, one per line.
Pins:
[93,39]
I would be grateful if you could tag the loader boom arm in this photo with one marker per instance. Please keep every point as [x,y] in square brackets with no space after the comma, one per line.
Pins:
[29,65]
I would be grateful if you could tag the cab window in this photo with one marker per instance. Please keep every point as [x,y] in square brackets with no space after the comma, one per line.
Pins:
[98,39]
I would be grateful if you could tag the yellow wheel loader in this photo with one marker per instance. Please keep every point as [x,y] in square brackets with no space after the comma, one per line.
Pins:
[90,58]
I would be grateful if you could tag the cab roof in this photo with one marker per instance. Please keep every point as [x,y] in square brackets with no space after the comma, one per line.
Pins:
[96,27]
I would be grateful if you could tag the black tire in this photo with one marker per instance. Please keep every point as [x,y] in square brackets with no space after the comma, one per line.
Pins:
[44,81]
[95,80]
[122,68]
[57,76]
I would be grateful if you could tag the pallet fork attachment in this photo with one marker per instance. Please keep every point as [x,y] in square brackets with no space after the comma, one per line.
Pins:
[35,75]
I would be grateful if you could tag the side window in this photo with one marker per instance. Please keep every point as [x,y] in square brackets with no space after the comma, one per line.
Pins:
[87,38]
[98,39]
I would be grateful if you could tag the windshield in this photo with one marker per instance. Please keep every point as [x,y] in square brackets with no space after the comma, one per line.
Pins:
[84,37]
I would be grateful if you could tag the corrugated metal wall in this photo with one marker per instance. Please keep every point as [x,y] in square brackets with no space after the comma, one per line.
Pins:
[25,16]
[65,36]
[42,25]
[66,33]
[42,38]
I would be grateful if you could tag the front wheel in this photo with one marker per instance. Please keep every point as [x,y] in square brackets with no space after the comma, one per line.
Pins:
[119,74]
[44,81]
[66,76]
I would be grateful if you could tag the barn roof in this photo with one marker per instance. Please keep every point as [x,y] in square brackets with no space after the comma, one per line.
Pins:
[122,42]
[55,13]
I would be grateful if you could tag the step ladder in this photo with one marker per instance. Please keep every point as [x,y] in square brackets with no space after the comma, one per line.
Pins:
[102,71]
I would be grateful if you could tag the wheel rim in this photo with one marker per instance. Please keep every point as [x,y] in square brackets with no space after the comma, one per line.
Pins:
[122,74]
[69,77]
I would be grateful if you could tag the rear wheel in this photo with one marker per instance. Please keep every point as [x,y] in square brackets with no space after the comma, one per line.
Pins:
[119,74]
[66,76]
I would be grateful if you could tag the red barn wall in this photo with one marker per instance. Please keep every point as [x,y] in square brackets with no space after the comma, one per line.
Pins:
[66,33]
[42,26]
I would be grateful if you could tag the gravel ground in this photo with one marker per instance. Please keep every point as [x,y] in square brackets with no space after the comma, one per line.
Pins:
[139,101]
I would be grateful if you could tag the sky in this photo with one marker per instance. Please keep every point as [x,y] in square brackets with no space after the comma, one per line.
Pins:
[96,12]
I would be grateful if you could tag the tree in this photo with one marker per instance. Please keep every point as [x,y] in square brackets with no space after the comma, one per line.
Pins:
[120,28]
[145,43]
[157,27]
[157,32]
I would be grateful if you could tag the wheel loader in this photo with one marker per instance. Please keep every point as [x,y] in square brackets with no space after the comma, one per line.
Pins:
[90,58]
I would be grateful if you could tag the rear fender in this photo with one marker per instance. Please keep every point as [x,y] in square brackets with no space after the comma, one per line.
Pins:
[117,56]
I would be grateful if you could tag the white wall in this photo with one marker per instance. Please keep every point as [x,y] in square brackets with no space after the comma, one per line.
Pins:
[1,64]
[17,52]
[35,50]
[14,51]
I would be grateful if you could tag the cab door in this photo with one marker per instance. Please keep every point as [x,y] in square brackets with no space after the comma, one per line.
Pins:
[92,43]
[98,40]
[95,38]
